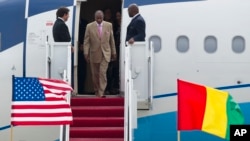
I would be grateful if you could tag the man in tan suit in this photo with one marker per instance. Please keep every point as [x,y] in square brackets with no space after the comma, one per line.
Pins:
[99,50]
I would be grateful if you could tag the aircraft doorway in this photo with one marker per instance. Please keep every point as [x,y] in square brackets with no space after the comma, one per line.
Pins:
[87,10]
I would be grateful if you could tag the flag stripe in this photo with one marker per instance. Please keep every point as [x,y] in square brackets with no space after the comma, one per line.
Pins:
[38,103]
[196,99]
[63,87]
[63,106]
[62,110]
[51,95]
[42,119]
[57,84]
[55,88]
[39,123]
[216,112]
[41,114]
[47,90]
[234,115]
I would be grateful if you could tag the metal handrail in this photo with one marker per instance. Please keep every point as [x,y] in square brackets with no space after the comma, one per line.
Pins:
[150,74]
[67,78]
[65,75]
[127,126]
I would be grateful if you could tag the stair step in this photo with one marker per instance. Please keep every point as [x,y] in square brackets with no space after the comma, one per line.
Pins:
[98,122]
[96,139]
[97,132]
[96,111]
[95,101]
[97,119]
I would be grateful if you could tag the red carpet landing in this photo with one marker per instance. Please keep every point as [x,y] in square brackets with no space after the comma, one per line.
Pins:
[97,119]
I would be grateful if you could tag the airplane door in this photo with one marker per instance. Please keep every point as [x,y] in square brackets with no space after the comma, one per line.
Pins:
[142,73]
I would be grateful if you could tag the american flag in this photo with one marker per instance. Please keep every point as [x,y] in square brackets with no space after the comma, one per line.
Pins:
[40,101]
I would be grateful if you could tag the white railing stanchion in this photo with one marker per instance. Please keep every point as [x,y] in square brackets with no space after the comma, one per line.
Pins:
[68,79]
[151,74]
[130,121]
[126,96]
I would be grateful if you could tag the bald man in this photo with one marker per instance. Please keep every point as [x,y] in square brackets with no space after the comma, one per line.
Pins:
[99,50]
[137,26]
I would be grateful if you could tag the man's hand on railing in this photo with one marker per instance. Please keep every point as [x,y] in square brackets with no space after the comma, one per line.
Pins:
[131,41]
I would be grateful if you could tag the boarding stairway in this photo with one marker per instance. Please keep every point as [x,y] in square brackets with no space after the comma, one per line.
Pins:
[97,119]
[113,118]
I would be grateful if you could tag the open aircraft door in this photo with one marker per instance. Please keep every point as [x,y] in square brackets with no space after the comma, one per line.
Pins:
[142,74]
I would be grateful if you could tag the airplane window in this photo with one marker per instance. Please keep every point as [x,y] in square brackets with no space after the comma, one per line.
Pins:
[182,44]
[238,44]
[156,42]
[210,44]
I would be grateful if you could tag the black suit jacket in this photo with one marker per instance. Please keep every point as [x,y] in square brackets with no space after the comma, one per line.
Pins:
[61,31]
[136,29]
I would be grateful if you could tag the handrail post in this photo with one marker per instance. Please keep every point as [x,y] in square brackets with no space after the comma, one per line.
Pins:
[151,72]
[68,79]
[129,97]
[126,95]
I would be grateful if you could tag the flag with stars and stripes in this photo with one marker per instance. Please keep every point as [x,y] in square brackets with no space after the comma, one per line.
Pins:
[40,101]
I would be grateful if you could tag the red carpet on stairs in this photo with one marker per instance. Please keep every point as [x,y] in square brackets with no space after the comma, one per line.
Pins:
[97,119]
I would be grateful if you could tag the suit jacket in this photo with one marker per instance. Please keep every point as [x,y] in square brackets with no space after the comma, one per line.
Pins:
[97,47]
[136,29]
[61,31]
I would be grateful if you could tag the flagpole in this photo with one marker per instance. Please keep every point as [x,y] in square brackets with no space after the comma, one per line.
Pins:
[11,126]
[11,133]
[178,135]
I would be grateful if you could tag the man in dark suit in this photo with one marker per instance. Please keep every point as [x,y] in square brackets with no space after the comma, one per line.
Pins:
[137,26]
[60,29]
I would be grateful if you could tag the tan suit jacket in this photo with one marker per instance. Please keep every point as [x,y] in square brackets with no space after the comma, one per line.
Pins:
[96,47]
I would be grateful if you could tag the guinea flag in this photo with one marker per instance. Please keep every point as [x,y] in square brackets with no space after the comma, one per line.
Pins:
[206,109]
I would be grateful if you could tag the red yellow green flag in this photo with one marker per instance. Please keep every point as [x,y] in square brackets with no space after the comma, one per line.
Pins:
[206,109]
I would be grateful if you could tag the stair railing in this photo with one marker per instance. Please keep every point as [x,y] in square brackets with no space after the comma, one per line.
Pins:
[127,94]
[58,57]
[136,62]
[67,77]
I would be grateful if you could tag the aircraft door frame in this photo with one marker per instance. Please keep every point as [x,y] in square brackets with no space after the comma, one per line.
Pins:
[76,42]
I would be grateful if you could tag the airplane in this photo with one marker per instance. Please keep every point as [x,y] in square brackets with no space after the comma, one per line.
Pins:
[202,41]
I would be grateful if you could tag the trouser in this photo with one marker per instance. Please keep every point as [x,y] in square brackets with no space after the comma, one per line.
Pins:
[99,77]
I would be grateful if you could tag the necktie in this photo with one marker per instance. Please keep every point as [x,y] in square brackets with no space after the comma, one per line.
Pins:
[100,30]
